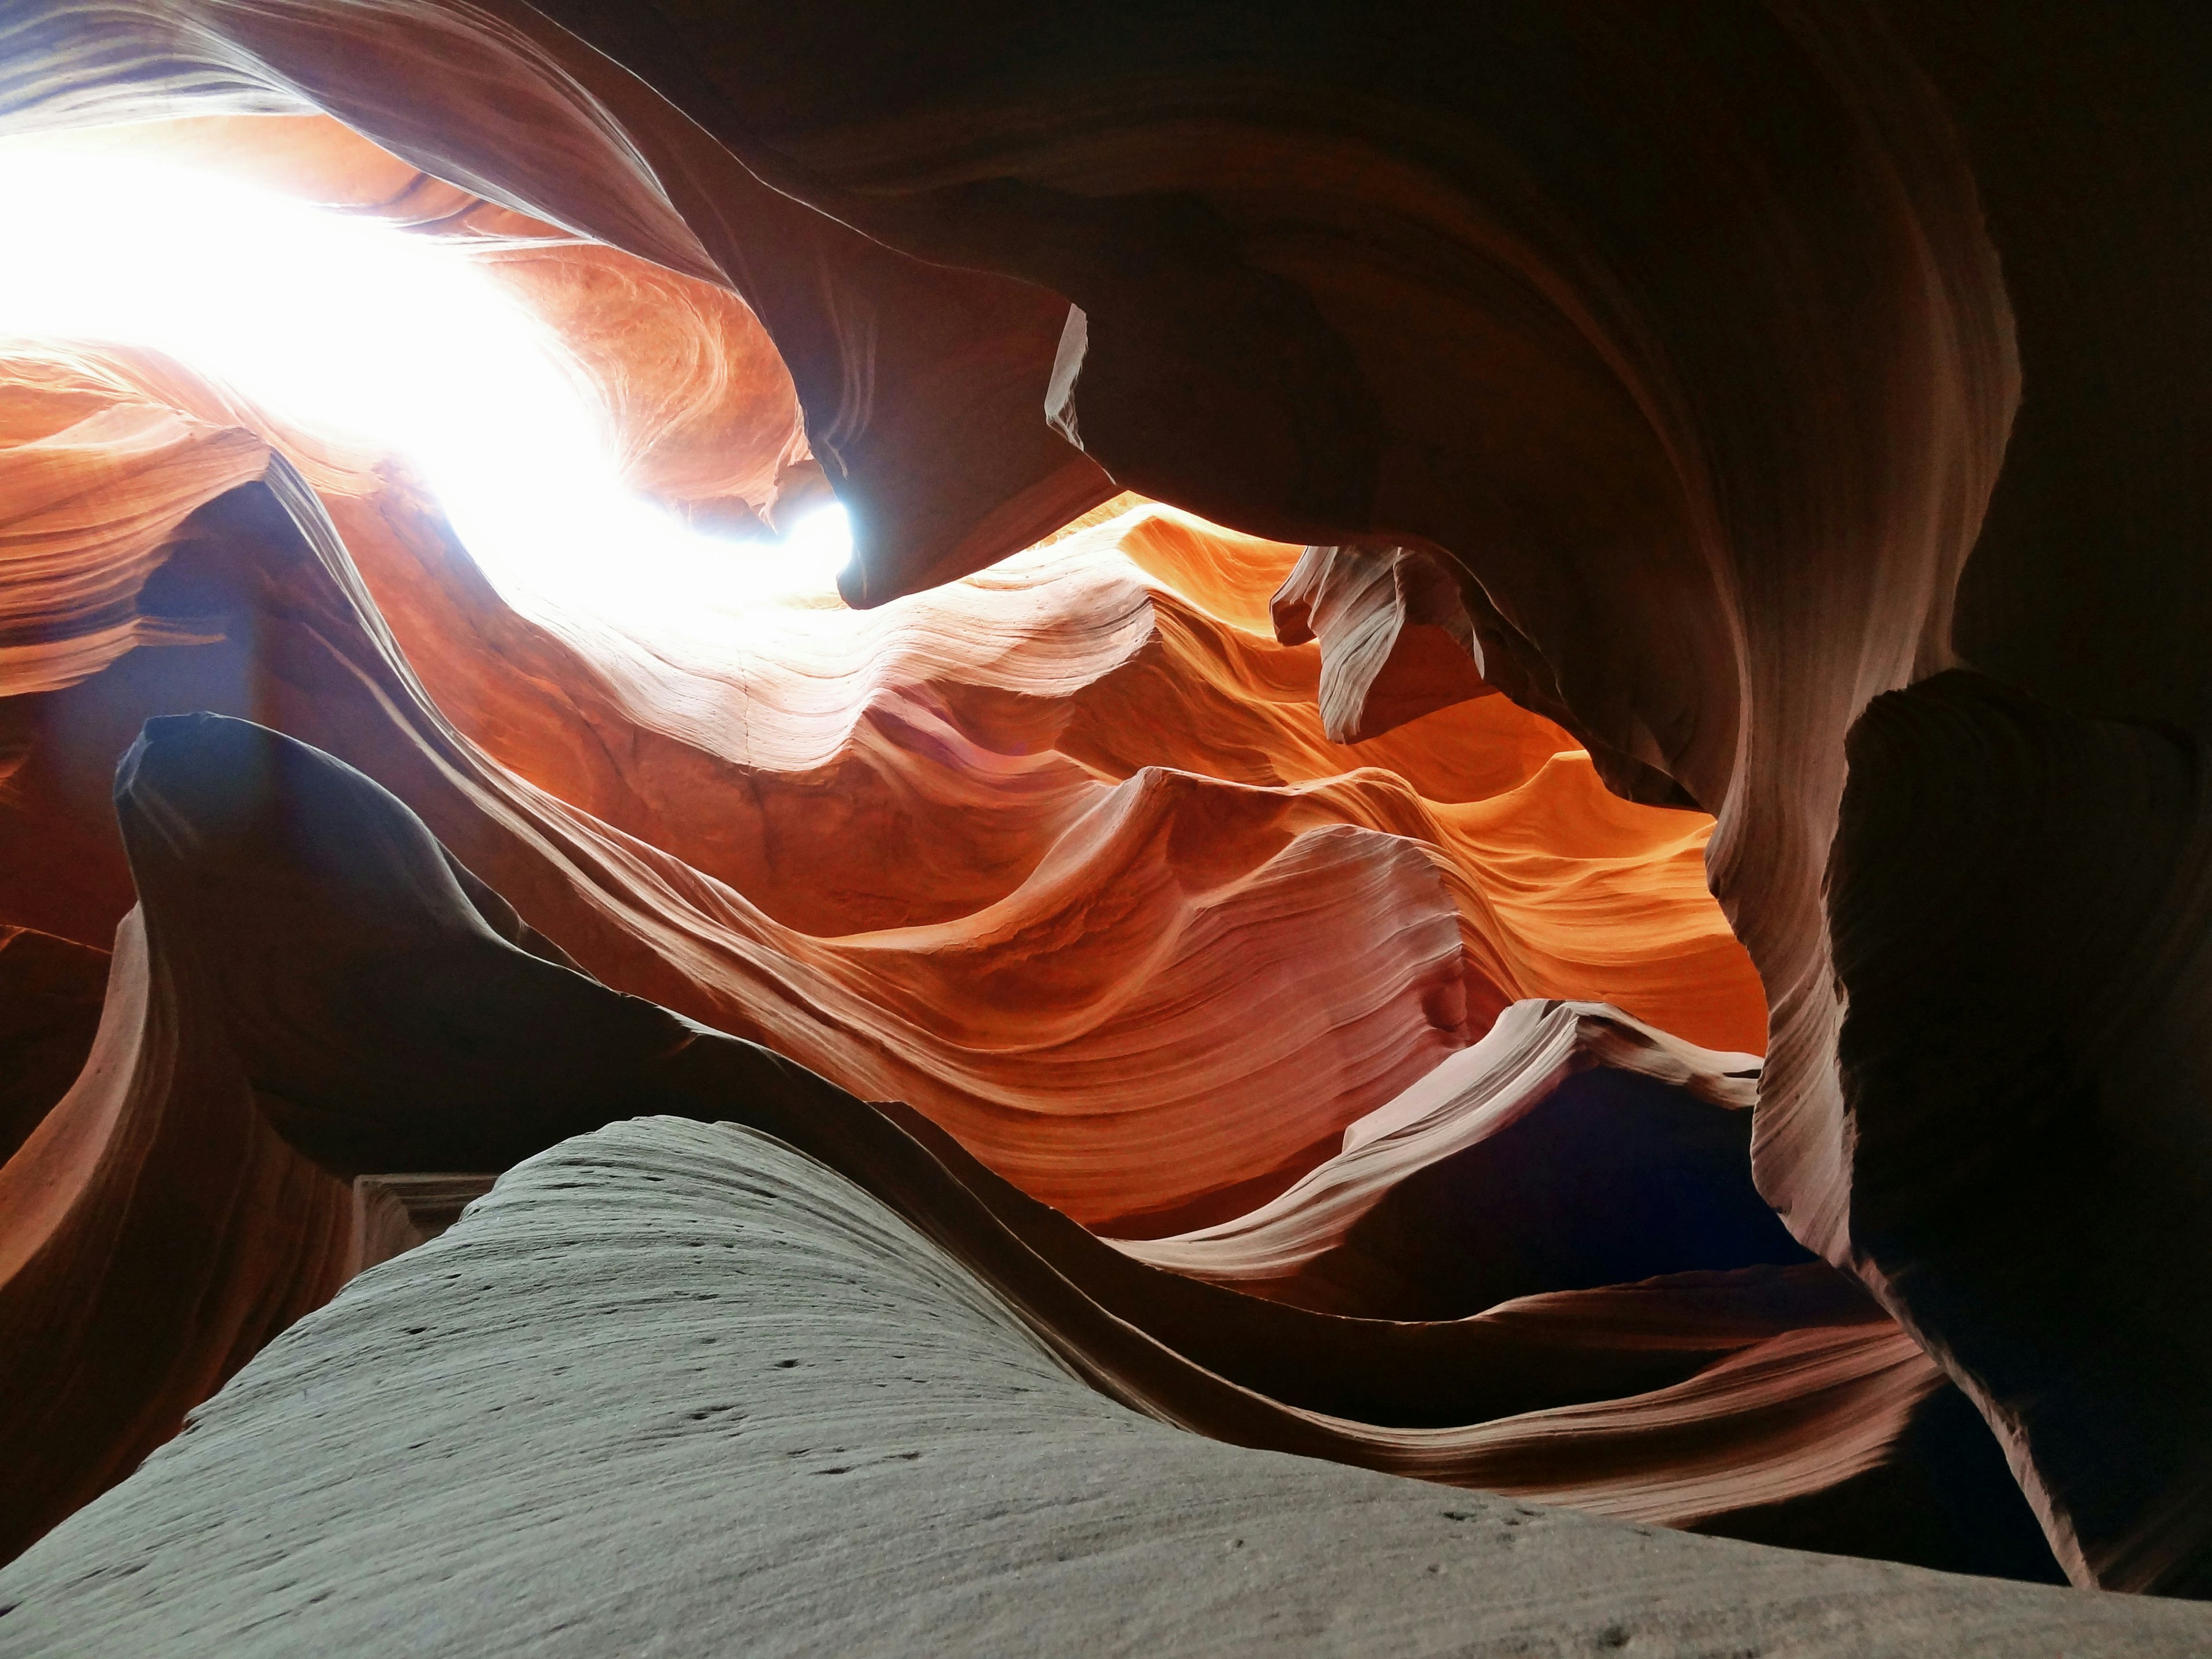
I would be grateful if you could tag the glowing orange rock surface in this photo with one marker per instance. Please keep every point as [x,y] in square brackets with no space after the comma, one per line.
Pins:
[1052,976]
[1309,1021]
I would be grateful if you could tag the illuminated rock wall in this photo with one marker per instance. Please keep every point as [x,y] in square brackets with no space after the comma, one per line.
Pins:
[1666,365]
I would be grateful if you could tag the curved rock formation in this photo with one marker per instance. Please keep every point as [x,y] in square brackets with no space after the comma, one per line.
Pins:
[293,638]
[2026,1080]
[1674,355]
[1571,1147]
[704,410]
[1027,729]
[92,494]
[1396,640]
[334,987]
[501,103]
[50,992]
[781,1467]
[158,1233]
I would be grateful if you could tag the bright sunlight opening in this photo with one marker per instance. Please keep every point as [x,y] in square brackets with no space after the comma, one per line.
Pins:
[350,327]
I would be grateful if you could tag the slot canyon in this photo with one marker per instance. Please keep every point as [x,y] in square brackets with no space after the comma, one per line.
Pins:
[1260,828]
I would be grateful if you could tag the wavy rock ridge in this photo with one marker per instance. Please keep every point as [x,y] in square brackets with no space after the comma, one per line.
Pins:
[354,1000]
[907,1403]
[1661,372]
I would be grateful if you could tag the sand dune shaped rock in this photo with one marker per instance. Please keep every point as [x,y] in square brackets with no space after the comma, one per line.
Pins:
[781,1465]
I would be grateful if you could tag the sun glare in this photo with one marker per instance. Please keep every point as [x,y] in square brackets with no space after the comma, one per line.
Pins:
[348,326]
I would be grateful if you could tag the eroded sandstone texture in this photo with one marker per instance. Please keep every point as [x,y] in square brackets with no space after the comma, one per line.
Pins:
[912,1400]
[1582,878]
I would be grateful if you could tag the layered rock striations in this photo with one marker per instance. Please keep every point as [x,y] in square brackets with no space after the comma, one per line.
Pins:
[1396,640]
[1661,371]
[1749,266]
[94,492]
[1500,1173]
[823,1426]
[343,994]
[1026,733]
[295,639]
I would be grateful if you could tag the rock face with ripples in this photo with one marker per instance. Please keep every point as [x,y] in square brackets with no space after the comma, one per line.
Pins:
[1653,966]
[820,1427]
[312,977]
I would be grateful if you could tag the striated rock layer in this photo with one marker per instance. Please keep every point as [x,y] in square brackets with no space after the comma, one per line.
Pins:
[351,999]
[1494,1175]
[1686,347]
[1396,641]
[823,1426]
[1066,726]
[290,633]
